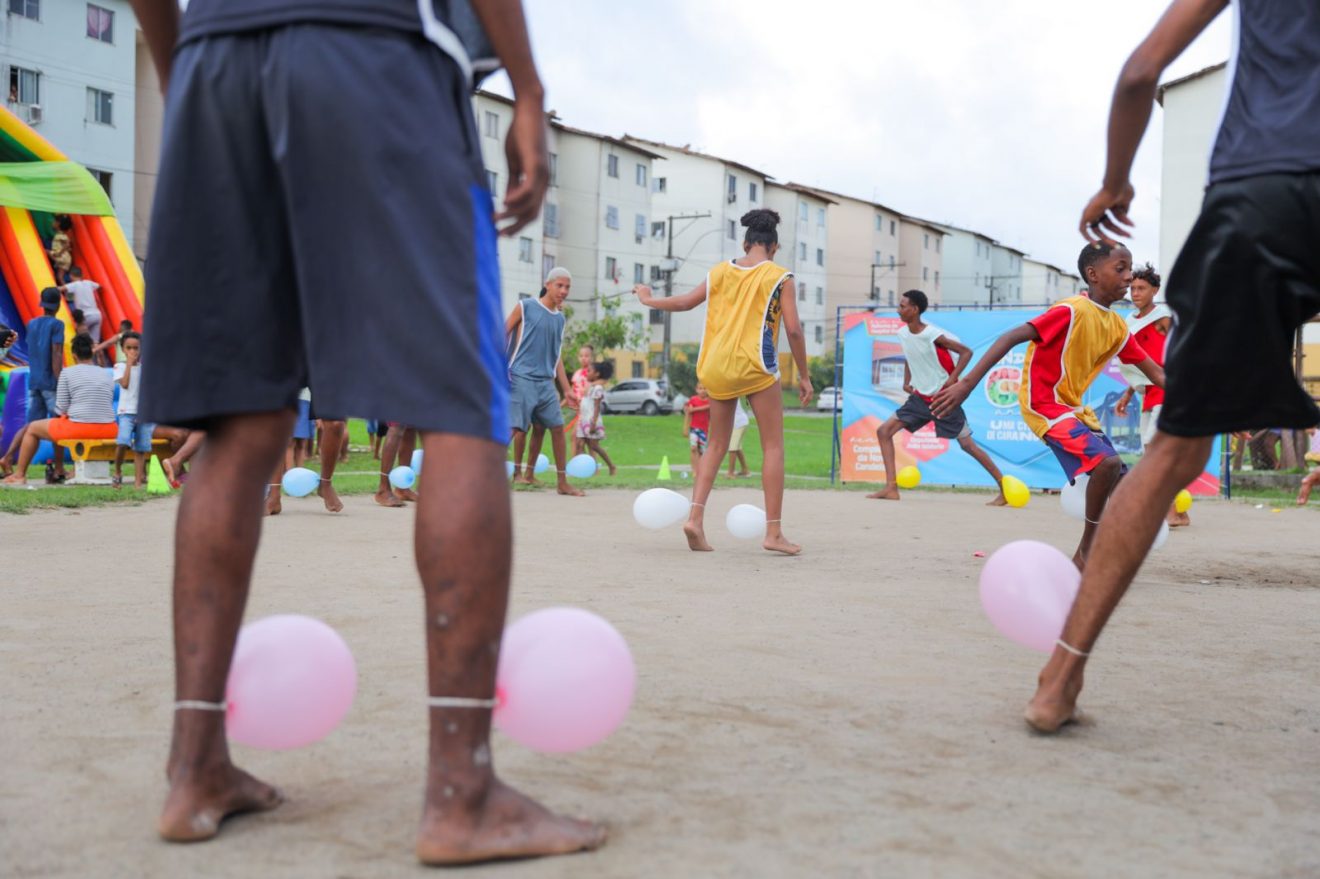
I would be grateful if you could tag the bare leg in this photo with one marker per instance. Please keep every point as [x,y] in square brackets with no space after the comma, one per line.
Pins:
[120,453]
[1121,543]
[406,447]
[173,466]
[983,458]
[519,446]
[11,453]
[560,446]
[533,453]
[1104,477]
[1309,481]
[599,452]
[463,544]
[769,408]
[742,463]
[707,467]
[274,486]
[141,460]
[384,493]
[32,437]
[885,435]
[334,435]
[215,541]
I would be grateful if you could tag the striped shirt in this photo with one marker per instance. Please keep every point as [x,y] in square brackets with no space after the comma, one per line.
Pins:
[86,394]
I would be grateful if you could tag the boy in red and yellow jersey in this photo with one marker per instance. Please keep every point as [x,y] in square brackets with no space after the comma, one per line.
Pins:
[1068,347]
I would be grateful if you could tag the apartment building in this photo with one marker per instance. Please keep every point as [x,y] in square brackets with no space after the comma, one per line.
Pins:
[804,231]
[862,256]
[921,258]
[1006,274]
[1043,283]
[967,266]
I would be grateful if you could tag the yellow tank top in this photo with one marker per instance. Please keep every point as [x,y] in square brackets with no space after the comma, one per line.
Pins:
[739,348]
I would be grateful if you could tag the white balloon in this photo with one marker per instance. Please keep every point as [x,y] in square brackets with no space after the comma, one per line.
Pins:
[1161,535]
[658,508]
[1073,497]
[746,522]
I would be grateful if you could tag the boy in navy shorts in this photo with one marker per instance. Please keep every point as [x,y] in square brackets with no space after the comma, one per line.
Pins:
[305,145]
[1246,279]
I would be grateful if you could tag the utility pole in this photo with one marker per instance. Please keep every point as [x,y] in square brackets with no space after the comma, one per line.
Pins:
[991,286]
[670,269]
[891,265]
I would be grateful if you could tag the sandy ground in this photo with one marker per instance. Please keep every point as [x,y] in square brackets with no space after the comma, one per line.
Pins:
[846,713]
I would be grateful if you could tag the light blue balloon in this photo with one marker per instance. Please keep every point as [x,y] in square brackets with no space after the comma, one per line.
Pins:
[542,464]
[416,462]
[402,477]
[300,482]
[581,467]
[508,469]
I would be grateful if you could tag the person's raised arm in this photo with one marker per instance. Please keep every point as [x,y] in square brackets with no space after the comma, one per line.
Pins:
[125,378]
[525,145]
[797,339]
[951,398]
[1129,114]
[683,302]
[101,346]
[963,353]
[159,20]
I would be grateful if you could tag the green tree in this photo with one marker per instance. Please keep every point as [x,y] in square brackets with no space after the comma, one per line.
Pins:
[821,370]
[611,331]
[683,369]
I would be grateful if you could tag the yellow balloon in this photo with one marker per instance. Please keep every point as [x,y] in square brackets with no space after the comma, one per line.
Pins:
[908,477]
[1016,492]
[1183,502]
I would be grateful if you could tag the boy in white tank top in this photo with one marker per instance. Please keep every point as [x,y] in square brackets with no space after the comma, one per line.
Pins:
[928,353]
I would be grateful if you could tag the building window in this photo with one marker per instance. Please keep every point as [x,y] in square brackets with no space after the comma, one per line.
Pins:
[820,334]
[925,273]
[637,366]
[802,212]
[820,257]
[733,231]
[657,318]
[612,217]
[937,279]
[100,107]
[524,250]
[655,274]
[751,192]
[925,241]
[639,273]
[879,260]
[27,9]
[492,181]
[733,188]
[641,175]
[660,184]
[820,295]
[639,228]
[547,263]
[937,245]
[976,279]
[103,178]
[892,226]
[554,169]
[612,166]
[24,86]
[879,223]
[100,24]
[551,220]
[611,268]
[802,251]
[658,230]
[802,292]
[492,124]
[820,216]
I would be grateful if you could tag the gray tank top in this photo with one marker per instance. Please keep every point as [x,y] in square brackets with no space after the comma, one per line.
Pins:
[536,349]
[1271,118]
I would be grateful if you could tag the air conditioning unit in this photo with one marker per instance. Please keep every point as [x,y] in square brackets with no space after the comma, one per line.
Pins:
[33,114]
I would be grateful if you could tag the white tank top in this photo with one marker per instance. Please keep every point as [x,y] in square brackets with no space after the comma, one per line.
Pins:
[929,365]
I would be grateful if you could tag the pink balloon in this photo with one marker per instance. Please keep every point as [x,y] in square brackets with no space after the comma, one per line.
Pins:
[292,681]
[1027,590]
[565,680]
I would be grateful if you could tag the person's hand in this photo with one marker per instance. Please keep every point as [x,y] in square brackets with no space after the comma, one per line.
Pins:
[572,400]
[951,398]
[529,166]
[642,292]
[805,390]
[1121,407]
[1106,210]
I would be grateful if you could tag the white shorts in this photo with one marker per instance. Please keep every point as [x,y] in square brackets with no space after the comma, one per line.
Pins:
[1148,422]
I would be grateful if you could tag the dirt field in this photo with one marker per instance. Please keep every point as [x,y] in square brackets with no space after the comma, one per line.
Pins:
[846,713]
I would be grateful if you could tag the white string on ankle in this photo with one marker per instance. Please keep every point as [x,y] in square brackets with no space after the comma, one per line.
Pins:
[1071,649]
[460,702]
[772,521]
[197,705]
[695,504]
[323,479]
[1091,521]
[561,472]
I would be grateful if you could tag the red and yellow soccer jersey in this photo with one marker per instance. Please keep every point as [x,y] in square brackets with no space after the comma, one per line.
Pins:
[1077,338]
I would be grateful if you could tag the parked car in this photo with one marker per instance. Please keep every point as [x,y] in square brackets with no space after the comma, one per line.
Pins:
[645,395]
[829,400]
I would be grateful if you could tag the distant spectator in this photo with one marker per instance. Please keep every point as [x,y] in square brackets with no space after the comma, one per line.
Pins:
[125,326]
[45,343]
[7,339]
[84,399]
[82,296]
[1310,480]
[132,434]
[1263,445]
[61,248]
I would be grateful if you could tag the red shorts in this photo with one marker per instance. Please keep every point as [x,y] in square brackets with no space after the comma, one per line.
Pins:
[62,428]
[1078,448]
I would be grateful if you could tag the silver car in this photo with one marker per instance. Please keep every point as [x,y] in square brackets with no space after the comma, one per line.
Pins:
[645,395]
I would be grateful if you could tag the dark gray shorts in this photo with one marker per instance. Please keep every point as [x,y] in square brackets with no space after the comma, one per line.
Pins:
[321,220]
[915,414]
[534,401]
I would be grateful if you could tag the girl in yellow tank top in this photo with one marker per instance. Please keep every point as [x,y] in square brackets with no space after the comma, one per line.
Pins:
[746,300]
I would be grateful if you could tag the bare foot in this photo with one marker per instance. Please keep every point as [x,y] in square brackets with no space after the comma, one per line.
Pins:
[199,801]
[168,466]
[506,824]
[780,543]
[14,479]
[1178,520]
[386,498]
[273,505]
[1053,707]
[696,537]
[998,501]
[888,493]
[331,497]
[526,480]
[613,470]
[570,491]
[744,473]
[406,494]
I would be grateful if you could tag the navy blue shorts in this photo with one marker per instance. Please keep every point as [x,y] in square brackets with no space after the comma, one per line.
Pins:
[534,401]
[321,220]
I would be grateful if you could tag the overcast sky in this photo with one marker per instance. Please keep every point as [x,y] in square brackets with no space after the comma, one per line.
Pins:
[988,116]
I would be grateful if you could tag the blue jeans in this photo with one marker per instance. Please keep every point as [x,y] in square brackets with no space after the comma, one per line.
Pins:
[41,405]
[134,433]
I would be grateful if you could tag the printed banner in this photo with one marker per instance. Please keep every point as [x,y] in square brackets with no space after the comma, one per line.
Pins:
[873,390]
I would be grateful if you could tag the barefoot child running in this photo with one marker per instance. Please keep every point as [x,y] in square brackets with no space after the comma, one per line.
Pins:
[1067,348]
[746,299]
[590,430]
[928,368]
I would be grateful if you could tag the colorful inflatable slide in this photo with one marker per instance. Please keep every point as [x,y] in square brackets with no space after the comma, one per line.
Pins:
[37,181]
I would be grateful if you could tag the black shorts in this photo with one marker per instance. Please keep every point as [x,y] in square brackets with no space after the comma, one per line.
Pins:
[322,220]
[1247,278]
[915,414]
